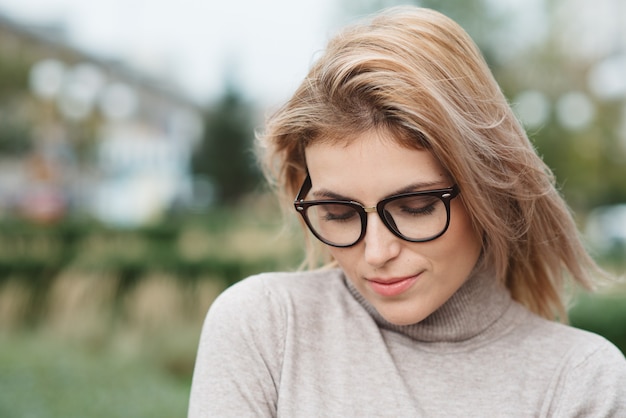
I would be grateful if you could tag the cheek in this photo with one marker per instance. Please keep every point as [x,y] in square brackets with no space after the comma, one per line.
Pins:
[346,258]
[464,240]
[459,247]
[340,255]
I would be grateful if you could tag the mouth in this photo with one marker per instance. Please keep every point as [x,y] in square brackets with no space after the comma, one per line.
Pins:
[392,286]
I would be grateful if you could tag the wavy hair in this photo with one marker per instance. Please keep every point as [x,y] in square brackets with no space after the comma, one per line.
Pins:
[417,74]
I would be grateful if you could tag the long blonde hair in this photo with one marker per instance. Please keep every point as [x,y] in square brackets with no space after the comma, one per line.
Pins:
[416,73]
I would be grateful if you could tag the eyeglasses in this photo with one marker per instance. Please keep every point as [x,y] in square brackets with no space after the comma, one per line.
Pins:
[416,217]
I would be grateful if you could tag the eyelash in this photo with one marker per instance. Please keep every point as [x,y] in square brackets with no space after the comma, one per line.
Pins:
[426,210]
[341,218]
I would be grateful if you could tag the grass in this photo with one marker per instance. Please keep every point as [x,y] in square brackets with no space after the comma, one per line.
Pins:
[42,377]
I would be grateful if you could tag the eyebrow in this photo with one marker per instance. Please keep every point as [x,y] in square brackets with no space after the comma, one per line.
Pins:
[414,187]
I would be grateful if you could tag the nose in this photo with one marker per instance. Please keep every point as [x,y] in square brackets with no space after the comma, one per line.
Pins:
[381,245]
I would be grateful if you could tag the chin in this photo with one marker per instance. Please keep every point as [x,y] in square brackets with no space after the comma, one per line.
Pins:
[403,317]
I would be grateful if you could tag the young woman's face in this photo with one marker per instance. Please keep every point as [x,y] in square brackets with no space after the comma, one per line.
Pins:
[404,281]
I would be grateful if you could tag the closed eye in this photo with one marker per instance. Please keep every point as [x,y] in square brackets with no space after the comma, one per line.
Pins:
[422,210]
[337,213]
[414,206]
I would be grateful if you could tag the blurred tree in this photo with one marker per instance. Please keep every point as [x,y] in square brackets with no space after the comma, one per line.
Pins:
[15,136]
[477,17]
[225,154]
[13,74]
[581,146]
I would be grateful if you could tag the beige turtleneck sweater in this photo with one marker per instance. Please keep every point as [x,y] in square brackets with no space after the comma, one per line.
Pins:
[309,345]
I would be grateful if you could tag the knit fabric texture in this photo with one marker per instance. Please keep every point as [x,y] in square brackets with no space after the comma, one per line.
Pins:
[309,345]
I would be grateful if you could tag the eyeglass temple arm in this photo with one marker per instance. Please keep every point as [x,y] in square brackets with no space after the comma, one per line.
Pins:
[304,189]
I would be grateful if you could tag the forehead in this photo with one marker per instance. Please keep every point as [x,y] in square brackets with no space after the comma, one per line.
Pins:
[370,165]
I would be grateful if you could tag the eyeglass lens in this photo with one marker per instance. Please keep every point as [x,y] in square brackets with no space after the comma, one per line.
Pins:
[414,217]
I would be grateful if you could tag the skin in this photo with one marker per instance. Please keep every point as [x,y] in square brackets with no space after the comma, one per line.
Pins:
[371,167]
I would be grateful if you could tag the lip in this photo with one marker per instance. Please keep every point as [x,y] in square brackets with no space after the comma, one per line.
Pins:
[393,286]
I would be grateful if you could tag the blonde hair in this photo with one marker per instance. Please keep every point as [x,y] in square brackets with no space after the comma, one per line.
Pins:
[418,75]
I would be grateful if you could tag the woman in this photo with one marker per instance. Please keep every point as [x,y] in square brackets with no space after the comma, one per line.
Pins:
[449,241]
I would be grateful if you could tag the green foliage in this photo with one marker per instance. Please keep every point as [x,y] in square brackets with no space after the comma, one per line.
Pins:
[42,378]
[13,75]
[226,153]
[584,164]
[114,329]
[15,137]
[604,315]
[475,16]
[589,163]
[220,244]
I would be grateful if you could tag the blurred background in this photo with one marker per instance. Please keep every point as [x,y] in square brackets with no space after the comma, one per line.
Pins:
[130,198]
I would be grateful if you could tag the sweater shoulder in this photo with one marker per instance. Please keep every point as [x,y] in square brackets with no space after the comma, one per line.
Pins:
[245,338]
[589,375]
[564,348]
[274,291]
[554,335]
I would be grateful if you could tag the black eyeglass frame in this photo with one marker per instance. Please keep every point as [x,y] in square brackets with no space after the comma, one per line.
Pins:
[301,206]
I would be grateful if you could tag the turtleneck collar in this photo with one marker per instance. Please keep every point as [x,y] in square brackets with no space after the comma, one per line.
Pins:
[478,303]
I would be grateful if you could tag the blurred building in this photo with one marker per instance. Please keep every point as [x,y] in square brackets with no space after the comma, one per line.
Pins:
[80,134]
